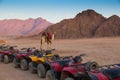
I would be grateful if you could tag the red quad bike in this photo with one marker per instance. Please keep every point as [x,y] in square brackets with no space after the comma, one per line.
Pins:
[106,72]
[22,58]
[111,71]
[82,71]
[7,54]
[70,69]
[1,49]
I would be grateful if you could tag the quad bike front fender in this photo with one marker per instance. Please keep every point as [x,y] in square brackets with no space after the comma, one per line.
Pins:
[56,66]
[70,70]
[33,58]
[117,79]
[97,76]
[5,52]
[41,60]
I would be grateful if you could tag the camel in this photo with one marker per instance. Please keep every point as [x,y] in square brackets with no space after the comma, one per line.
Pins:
[46,41]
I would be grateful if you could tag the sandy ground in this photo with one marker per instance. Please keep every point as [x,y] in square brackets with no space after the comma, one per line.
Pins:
[101,50]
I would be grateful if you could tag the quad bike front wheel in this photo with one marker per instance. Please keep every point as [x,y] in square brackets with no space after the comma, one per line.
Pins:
[32,67]
[23,64]
[15,63]
[1,58]
[11,57]
[6,59]
[41,71]
[50,75]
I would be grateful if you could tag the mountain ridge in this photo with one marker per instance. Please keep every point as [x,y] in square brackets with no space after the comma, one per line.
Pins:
[25,27]
[86,24]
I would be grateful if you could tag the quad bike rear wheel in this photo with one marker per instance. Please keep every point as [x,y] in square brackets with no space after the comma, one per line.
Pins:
[15,64]
[41,71]
[6,59]
[50,75]
[23,64]
[32,67]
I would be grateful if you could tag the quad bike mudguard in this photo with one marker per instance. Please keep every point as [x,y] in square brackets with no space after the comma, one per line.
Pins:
[112,73]
[76,71]
[60,64]
[33,58]
[5,52]
[98,76]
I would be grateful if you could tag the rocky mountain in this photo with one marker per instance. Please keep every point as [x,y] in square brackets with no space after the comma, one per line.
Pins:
[17,27]
[110,27]
[86,25]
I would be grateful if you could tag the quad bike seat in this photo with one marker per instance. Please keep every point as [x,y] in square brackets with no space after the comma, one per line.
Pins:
[39,55]
[36,52]
[23,52]
[6,51]
[48,52]
[112,73]
[118,65]
[63,62]
[77,59]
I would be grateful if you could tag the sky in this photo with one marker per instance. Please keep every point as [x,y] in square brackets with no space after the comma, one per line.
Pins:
[55,10]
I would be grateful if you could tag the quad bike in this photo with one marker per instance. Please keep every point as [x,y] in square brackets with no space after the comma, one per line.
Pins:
[1,49]
[7,53]
[39,62]
[70,69]
[106,72]
[111,71]
[22,58]
[83,71]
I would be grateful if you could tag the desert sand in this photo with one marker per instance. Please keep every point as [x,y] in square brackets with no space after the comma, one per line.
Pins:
[102,50]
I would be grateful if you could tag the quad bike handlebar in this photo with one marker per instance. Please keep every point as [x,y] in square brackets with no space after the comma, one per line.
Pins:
[74,58]
[46,52]
[109,66]
[79,58]
[23,48]
[14,46]
[27,48]
[83,54]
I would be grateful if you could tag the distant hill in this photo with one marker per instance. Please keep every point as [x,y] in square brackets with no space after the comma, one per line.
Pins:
[110,27]
[17,27]
[87,24]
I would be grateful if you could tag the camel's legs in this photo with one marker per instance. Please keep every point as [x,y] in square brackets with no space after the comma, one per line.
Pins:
[42,43]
